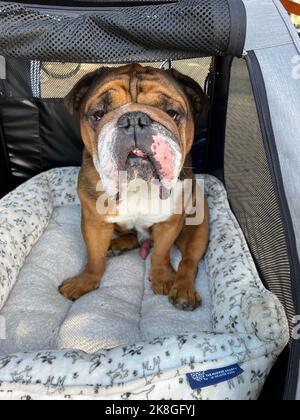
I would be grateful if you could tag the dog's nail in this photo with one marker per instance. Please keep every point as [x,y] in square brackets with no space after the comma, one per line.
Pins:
[185,306]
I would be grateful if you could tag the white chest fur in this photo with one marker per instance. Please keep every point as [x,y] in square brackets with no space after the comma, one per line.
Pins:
[139,210]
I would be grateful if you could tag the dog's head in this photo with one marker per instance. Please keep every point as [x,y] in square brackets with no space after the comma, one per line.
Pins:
[137,119]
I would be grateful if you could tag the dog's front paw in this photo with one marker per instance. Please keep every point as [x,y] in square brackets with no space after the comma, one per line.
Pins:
[114,253]
[162,280]
[122,244]
[185,299]
[78,286]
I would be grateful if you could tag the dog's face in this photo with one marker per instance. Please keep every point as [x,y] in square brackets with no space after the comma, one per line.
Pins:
[137,119]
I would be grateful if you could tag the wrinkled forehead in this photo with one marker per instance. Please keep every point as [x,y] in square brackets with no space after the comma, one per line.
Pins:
[134,80]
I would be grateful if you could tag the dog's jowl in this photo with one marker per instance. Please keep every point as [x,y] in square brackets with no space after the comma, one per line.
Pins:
[138,126]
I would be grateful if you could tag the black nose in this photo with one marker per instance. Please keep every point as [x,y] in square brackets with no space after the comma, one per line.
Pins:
[134,120]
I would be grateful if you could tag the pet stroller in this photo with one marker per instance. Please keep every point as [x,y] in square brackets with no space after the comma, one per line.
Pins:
[245,55]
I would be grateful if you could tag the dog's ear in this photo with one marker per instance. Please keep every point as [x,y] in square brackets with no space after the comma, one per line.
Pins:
[192,89]
[75,97]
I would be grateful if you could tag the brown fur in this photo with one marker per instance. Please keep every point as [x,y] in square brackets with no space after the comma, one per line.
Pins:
[138,88]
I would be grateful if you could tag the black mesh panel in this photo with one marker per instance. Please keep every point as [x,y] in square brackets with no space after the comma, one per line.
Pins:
[251,191]
[189,28]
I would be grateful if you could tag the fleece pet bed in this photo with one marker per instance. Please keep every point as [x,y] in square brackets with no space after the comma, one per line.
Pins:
[122,341]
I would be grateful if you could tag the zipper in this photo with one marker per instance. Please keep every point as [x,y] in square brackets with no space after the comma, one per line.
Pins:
[101,8]
[264,115]
[5,169]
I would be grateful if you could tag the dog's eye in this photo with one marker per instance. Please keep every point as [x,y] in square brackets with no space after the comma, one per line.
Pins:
[174,114]
[97,116]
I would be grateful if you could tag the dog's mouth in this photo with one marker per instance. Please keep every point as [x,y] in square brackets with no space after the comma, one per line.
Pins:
[139,164]
[136,158]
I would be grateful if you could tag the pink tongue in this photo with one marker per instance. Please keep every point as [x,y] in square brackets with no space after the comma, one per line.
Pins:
[138,153]
[145,249]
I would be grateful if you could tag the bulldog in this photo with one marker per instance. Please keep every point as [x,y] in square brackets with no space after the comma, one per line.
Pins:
[139,122]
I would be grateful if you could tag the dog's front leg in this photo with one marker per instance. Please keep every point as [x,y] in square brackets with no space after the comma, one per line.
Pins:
[98,235]
[164,235]
[192,243]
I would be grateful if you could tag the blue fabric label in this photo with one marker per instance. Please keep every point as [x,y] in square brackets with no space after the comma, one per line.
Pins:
[214,376]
